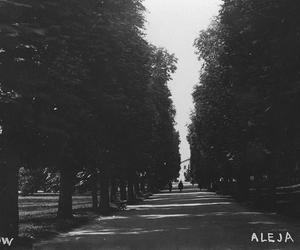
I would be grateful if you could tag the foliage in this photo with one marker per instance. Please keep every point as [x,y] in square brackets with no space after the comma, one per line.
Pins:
[245,121]
[82,91]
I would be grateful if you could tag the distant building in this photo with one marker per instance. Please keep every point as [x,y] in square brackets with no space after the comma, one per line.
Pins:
[184,167]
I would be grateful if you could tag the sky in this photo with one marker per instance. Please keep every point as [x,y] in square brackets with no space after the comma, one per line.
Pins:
[174,25]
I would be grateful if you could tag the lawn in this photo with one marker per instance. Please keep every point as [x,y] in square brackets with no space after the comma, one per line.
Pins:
[38,214]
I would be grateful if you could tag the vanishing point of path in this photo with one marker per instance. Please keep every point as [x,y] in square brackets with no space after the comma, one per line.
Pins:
[187,220]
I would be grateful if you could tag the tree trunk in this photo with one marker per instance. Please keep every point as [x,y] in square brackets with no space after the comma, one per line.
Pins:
[9,211]
[65,194]
[123,192]
[131,193]
[113,190]
[137,188]
[94,189]
[243,185]
[104,193]
[143,189]
[152,185]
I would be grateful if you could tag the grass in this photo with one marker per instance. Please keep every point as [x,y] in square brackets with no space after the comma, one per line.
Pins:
[38,215]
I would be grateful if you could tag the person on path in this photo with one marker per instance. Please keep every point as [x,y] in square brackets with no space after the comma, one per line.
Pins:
[180,186]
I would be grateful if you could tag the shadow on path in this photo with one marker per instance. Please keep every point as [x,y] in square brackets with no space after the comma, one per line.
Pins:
[186,220]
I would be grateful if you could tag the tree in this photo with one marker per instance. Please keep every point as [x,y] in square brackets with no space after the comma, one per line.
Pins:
[248,84]
[76,83]
[166,161]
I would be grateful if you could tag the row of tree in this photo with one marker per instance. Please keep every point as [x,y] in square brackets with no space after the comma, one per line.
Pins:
[245,129]
[82,92]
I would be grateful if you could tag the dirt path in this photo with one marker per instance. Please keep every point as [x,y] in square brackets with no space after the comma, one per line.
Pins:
[187,220]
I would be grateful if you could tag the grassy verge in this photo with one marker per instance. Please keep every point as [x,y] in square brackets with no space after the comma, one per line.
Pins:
[38,216]
[47,226]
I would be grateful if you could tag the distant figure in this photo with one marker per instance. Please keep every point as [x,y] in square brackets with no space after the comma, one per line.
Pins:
[199,186]
[170,186]
[180,186]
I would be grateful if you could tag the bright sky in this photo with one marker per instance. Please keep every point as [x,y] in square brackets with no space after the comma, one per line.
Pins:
[174,25]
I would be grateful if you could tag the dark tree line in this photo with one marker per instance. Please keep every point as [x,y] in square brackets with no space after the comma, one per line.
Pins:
[245,129]
[82,93]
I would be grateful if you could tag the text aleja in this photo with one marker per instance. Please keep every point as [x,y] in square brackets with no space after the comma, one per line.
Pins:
[272,237]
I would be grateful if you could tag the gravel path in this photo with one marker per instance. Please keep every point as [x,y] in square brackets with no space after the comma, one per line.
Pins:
[187,220]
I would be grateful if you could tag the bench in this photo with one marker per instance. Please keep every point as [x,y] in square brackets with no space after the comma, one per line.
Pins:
[121,204]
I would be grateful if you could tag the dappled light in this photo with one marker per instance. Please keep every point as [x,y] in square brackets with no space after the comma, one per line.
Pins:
[162,216]
[144,125]
[132,231]
[177,193]
[112,218]
[262,223]
[165,219]
[139,207]
[248,213]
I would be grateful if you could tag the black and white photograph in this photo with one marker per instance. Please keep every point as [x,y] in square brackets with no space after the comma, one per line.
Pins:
[149,124]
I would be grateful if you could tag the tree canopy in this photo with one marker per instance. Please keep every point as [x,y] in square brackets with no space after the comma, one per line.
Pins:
[245,121]
[82,91]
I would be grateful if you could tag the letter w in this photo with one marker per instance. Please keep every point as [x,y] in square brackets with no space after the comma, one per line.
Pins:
[7,241]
